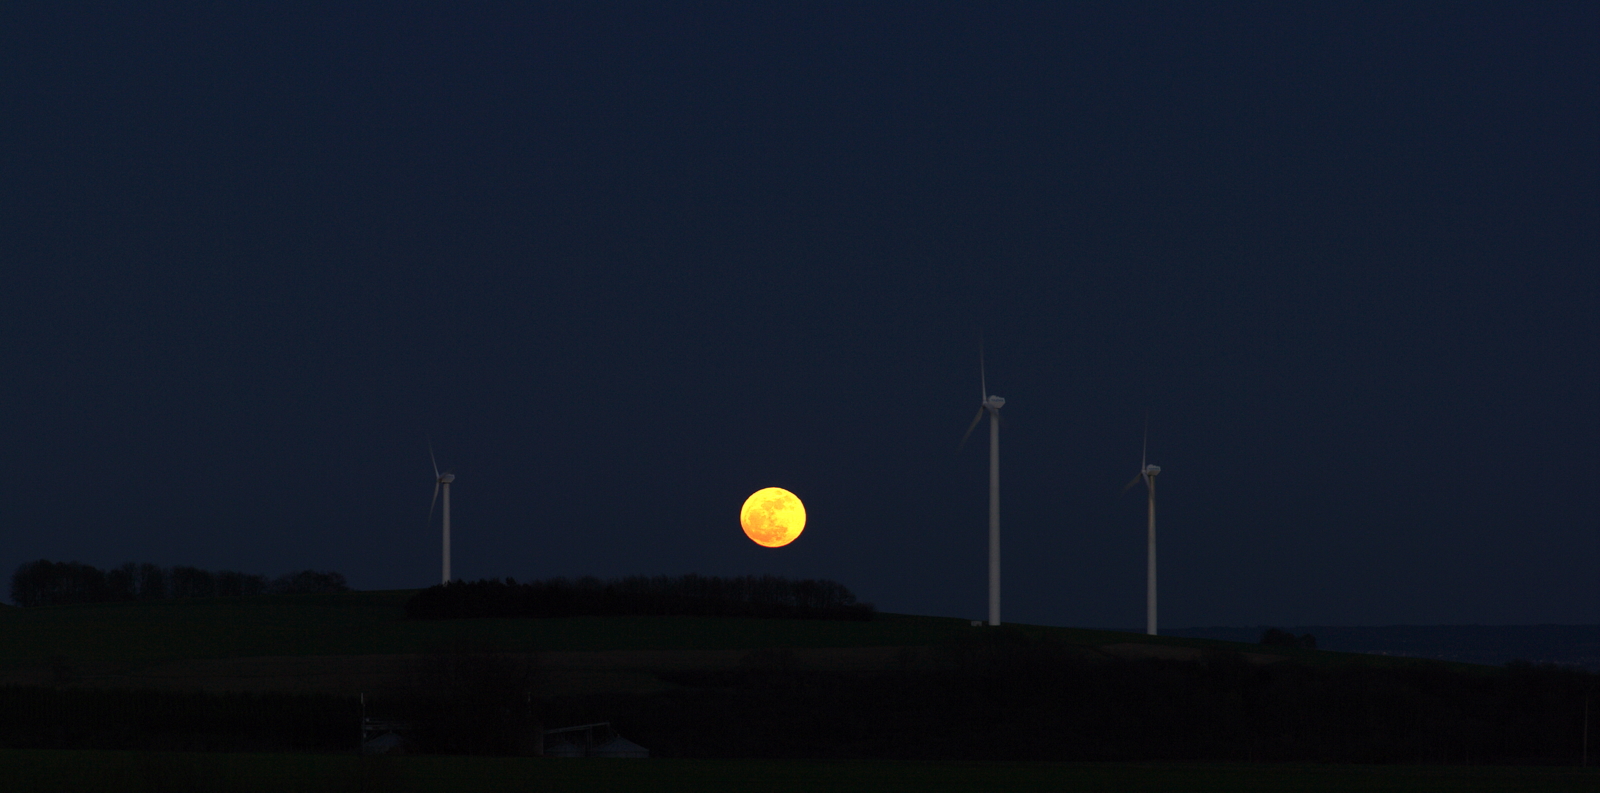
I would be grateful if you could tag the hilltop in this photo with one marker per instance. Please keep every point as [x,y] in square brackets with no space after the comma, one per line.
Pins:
[347,642]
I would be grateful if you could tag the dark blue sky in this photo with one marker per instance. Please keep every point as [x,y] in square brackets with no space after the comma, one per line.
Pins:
[626,263]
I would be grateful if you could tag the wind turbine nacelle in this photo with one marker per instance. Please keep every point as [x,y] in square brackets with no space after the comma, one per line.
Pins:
[1152,470]
[994,402]
[446,479]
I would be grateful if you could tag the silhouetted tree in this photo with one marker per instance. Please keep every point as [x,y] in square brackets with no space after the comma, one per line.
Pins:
[26,582]
[152,582]
[122,583]
[308,582]
[46,583]
[191,582]
[231,583]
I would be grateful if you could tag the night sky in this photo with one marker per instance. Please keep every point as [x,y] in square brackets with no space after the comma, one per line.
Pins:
[624,264]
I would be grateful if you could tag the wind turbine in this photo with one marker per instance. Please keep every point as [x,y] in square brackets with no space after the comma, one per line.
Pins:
[442,481]
[1148,473]
[991,404]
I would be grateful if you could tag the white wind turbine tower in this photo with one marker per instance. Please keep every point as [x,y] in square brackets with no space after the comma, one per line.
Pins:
[991,404]
[1148,473]
[442,481]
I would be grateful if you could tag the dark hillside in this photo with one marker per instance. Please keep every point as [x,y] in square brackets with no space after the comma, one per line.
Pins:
[1005,695]
[767,597]
[993,694]
[65,718]
[897,686]
[375,623]
[1567,645]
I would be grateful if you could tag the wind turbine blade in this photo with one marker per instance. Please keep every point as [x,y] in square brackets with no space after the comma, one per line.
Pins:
[970,428]
[983,376]
[1146,447]
[1131,483]
[434,504]
[435,461]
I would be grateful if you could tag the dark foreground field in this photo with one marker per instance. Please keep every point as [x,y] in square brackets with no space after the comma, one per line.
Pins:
[170,772]
[289,674]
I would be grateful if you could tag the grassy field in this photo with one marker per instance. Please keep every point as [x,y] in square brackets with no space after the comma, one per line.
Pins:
[660,676]
[130,772]
[374,623]
[370,623]
[362,642]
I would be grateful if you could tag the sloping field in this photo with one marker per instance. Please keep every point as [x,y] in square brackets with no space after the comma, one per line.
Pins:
[374,623]
[360,640]
[900,687]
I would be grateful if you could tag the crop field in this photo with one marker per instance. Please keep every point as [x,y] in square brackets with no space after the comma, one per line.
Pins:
[362,641]
[374,623]
[735,703]
[172,772]
[355,642]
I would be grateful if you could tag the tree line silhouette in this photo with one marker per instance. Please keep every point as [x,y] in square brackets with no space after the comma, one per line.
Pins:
[687,595]
[1281,638]
[47,583]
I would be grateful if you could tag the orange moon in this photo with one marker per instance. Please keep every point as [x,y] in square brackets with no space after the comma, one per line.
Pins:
[772,517]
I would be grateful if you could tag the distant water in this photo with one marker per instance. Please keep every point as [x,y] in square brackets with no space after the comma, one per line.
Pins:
[1568,645]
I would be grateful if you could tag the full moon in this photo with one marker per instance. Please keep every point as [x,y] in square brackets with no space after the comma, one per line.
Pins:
[772,517]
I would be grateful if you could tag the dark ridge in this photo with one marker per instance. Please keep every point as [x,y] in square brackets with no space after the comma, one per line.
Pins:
[660,596]
[1490,645]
